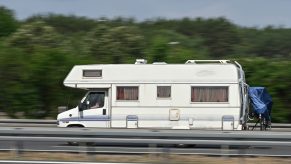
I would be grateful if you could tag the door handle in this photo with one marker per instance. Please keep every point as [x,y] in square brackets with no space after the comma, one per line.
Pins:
[104,112]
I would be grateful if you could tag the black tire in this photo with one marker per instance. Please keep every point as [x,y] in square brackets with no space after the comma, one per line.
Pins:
[263,124]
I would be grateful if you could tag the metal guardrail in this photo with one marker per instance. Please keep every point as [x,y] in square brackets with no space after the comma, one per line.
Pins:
[143,136]
[228,142]
[27,123]
[152,138]
[275,125]
[46,131]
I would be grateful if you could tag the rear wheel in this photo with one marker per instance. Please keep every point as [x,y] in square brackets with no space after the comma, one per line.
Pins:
[264,124]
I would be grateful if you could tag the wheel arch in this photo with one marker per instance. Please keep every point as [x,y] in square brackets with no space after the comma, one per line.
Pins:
[75,125]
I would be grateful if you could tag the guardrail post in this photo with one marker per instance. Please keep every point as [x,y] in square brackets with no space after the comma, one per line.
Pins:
[225,151]
[87,149]
[90,150]
[82,148]
[152,156]
[18,148]
[166,154]
[242,152]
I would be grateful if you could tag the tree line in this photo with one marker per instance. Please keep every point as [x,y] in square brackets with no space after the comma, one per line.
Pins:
[37,53]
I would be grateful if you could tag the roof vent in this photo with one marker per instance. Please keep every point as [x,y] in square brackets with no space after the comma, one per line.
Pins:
[140,61]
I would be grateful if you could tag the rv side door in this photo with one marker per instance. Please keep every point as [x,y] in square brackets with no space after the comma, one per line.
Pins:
[94,109]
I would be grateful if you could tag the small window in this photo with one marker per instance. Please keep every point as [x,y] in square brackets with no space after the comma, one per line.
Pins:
[164,91]
[92,73]
[127,93]
[209,94]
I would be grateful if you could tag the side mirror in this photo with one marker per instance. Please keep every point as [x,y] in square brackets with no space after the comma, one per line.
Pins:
[81,107]
[84,105]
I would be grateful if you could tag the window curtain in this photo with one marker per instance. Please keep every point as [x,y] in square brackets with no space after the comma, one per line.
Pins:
[209,94]
[127,93]
[164,91]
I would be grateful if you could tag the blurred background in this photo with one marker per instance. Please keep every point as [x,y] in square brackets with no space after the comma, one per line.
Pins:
[37,50]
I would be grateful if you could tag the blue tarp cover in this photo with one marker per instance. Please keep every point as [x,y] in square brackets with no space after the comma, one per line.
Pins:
[261,101]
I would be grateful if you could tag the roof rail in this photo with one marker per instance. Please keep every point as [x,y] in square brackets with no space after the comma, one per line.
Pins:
[207,61]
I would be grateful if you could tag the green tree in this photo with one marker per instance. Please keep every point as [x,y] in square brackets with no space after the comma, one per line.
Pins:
[65,24]
[270,42]
[275,76]
[8,23]
[34,35]
[220,36]
[115,45]
[48,69]
[170,46]
[32,85]
[14,73]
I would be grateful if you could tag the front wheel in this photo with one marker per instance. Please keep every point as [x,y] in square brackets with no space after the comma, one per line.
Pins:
[74,143]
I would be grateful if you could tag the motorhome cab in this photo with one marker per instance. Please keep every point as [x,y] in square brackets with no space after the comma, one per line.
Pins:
[200,94]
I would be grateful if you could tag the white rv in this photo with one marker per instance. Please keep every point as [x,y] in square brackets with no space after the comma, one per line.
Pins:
[200,94]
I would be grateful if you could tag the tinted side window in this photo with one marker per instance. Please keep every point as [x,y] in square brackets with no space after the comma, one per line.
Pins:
[95,99]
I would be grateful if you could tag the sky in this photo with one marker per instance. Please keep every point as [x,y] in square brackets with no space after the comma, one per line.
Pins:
[249,13]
